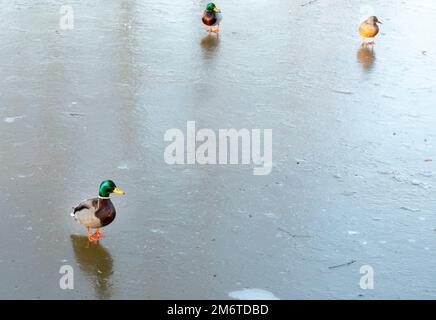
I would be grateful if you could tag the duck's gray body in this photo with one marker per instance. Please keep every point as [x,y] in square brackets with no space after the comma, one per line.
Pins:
[219,17]
[94,213]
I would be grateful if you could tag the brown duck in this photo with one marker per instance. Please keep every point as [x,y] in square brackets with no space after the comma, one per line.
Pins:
[369,29]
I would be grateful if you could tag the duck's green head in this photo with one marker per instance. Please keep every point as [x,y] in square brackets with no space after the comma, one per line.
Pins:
[212,7]
[107,187]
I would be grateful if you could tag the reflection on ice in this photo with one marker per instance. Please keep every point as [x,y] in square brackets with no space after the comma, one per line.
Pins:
[210,43]
[366,56]
[96,262]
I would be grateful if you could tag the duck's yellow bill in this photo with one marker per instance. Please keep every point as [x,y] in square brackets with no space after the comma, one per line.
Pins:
[216,10]
[119,191]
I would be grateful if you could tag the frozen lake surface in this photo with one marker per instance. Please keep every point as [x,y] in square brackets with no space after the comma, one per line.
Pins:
[354,157]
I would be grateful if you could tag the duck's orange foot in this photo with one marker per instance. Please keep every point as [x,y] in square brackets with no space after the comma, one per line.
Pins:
[93,238]
[210,29]
[369,43]
[217,29]
[98,234]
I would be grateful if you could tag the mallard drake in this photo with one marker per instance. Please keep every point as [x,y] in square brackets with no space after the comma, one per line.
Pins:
[212,17]
[97,212]
[369,29]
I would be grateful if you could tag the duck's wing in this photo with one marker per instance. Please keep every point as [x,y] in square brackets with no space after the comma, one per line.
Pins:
[84,213]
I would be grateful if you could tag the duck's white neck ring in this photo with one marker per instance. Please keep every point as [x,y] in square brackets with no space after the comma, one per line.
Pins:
[100,197]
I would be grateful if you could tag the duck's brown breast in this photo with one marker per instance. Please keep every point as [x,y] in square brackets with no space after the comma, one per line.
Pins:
[209,18]
[106,212]
[368,31]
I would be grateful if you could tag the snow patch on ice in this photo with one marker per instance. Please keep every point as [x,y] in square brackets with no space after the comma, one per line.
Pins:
[252,294]
[123,166]
[410,209]
[12,119]
[271,215]
[157,231]
[23,176]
